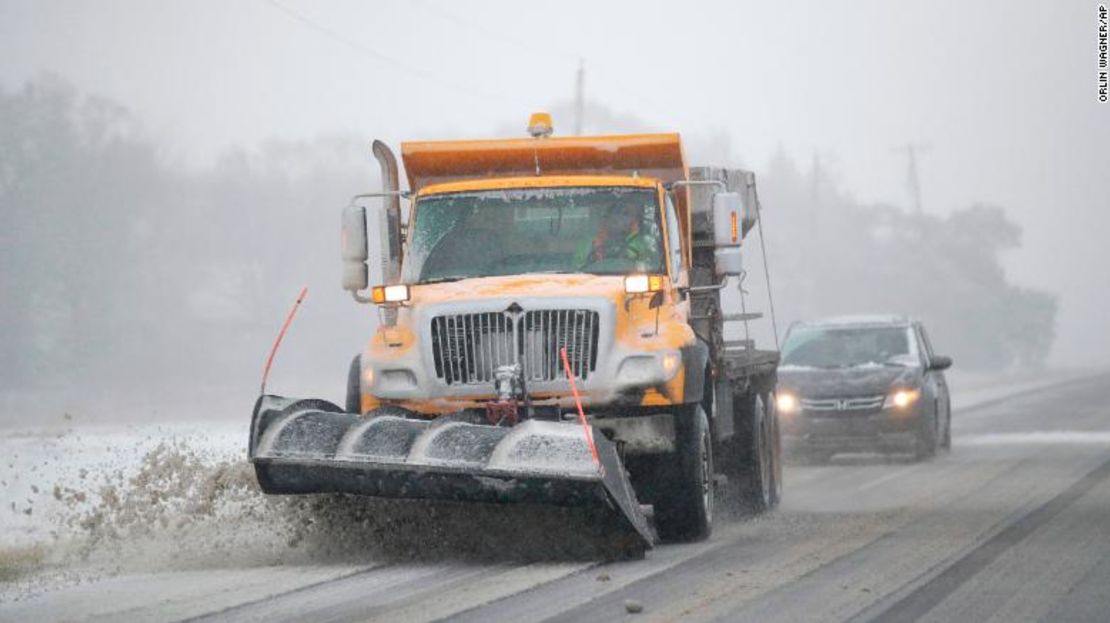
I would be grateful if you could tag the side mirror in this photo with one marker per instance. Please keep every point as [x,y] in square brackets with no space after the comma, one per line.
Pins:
[940,362]
[728,223]
[728,214]
[353,249]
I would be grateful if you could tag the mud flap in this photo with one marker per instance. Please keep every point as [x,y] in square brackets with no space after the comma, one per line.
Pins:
[313,446]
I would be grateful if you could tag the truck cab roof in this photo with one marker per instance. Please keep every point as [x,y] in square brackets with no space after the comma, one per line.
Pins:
[547,181]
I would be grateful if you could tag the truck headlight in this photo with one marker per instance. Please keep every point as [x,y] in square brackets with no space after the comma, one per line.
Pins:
[670,364]
[639,284]
[901,399]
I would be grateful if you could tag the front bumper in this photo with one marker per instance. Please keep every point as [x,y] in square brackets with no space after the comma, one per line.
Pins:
[409,374]
[883,430]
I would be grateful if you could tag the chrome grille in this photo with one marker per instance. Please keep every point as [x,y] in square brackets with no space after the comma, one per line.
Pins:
[858,403]
[467,348]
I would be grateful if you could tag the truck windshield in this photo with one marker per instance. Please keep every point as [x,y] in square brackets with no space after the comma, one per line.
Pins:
[604,230]
[844,347]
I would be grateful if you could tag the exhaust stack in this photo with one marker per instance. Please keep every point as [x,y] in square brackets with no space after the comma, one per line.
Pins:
[392,238]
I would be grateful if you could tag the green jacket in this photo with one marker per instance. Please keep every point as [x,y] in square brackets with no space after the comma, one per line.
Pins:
[634,246]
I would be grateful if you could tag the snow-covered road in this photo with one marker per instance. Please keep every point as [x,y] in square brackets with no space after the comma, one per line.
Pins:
[165,523]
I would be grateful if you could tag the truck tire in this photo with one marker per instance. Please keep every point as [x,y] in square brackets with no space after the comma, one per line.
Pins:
[684,496]
[774,444]
[758,443]
[354,386]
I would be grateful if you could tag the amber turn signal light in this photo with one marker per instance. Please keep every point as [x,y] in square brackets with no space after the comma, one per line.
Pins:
[390,294]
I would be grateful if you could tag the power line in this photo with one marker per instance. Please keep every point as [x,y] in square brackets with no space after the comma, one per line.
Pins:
[384,58]
[495,34]
[491,33]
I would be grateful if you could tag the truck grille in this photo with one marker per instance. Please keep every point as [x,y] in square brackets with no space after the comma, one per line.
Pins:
[467,348]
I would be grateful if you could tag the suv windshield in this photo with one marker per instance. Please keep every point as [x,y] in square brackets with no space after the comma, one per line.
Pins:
[842,347]
[605,230]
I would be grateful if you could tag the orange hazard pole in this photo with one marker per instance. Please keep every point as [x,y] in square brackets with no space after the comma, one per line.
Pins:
[281,334]
[578,402]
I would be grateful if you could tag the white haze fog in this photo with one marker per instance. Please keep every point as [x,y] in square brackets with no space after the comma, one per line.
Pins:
[172,172]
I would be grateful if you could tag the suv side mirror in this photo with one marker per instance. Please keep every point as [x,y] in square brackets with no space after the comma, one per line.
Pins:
[940,362]
[353,249]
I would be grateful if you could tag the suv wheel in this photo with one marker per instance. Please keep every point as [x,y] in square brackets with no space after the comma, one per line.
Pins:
[926,442]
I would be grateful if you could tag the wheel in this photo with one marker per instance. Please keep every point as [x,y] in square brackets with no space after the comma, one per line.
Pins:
[759,460]
[946,439]
[774,444]
[354,386]
[925,446]
[683,496]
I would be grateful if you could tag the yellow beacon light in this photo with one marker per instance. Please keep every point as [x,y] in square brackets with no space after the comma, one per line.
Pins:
[540,125]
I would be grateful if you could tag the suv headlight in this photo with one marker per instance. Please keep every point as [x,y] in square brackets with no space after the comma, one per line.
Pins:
[901,398]
[786,403]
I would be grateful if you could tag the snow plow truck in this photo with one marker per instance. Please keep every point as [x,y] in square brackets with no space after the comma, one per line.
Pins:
[551,331]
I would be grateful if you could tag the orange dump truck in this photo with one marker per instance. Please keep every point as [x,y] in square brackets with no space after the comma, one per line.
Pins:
[551,331]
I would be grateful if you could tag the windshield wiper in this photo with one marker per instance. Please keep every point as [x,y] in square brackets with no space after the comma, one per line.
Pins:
[889,364]
[443,280]
[453,278]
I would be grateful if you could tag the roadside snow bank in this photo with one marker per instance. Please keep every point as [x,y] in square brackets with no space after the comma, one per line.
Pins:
[95,502]
[973,390]
[100,501]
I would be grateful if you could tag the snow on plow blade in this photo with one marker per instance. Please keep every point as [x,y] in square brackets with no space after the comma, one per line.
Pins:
[312,446]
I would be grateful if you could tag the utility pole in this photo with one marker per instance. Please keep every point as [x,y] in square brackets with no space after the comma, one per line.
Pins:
[815,188]
[912,180]
[814,211]
[579,96]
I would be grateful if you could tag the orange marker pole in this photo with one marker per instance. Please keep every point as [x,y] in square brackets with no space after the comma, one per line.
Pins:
[578,402]
[281,334]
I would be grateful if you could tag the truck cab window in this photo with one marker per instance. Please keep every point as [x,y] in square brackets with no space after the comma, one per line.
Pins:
[604,230]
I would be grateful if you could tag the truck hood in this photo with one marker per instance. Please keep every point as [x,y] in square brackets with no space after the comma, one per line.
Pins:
[526,285]
[866,380]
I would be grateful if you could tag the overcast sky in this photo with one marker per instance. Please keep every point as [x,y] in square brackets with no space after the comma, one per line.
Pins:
[1002,94]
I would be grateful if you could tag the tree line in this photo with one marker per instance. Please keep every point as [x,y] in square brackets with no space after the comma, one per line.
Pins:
[121,269]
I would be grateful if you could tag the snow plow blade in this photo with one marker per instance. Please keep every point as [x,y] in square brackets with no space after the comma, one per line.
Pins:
[313,446]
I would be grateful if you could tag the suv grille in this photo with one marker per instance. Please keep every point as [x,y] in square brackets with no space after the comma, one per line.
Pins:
[859,403]
[467,348]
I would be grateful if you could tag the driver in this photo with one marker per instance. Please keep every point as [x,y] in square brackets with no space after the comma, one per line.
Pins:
[618,237]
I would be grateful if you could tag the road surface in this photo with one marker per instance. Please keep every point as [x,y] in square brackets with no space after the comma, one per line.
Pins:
[1012,524]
